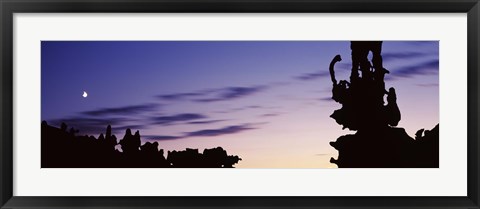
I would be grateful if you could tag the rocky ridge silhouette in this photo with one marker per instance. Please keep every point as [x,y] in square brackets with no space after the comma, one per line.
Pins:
[377,143]
[64,149]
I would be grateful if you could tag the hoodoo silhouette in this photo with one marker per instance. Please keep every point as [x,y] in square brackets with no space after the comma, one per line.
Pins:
[377,143]
[62,149]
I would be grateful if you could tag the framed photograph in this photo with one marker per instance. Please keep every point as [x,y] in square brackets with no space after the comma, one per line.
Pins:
[239,104]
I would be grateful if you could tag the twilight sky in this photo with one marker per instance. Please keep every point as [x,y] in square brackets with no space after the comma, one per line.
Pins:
[266,101]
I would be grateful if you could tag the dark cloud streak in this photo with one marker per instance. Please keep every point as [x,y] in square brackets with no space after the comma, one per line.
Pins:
[161,137]
[329,99]
[270,115]
[220,131]
[313,76]
[206,132]
[425,68]
[90,125]
[172,119]
[230,93]
[205,122]
[214,95]
[184,96]
[401,55]
[133,109]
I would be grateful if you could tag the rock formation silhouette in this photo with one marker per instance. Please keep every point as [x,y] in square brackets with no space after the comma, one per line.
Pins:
[377,143]
[62,149]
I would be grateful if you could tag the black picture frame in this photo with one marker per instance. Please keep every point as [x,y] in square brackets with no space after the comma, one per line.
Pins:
[9,7]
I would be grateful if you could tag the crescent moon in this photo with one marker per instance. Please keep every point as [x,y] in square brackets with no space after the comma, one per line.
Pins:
[84,94]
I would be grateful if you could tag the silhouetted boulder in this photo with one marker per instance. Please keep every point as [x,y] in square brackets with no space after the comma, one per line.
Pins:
[384,148]
[210,158]
[130,144]
[393,116]
[218,158]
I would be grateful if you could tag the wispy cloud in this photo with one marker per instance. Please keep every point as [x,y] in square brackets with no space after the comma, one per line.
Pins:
[401,55]
[221,131]
[326,99]
[132,109]
[247,107]
[160,137]
[90,125]
[313,76]
[227,130]
[184,96]
[94,121]
[426,68]
[125,127]
[205,122]
[214,95]
[230,93]
[324,72]
[231,110]
[269,114]
[173,119]
[84,120]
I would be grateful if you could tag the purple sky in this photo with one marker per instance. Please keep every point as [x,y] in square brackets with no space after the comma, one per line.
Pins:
[266,101]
